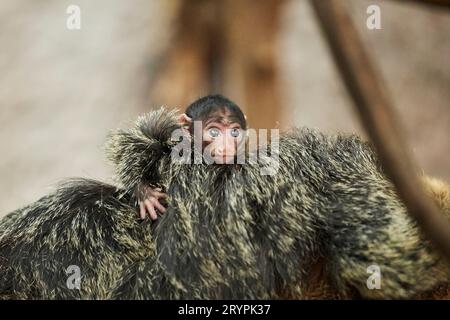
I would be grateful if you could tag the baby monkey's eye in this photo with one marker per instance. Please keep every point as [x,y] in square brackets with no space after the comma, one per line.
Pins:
[235,132]
[214,132]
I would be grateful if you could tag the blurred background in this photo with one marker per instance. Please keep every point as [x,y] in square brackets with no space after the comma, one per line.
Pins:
[62,91]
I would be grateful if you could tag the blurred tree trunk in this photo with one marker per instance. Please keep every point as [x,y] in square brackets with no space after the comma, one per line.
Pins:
[226,47]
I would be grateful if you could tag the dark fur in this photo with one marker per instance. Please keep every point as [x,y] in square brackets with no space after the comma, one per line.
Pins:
[229,231]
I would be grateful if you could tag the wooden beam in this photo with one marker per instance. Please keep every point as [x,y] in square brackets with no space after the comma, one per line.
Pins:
[440,3]
[379,118]
[251,63]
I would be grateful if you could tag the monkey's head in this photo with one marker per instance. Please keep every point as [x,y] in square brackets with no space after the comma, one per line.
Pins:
[219,123]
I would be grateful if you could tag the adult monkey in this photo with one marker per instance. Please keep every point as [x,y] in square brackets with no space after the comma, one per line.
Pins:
[229,232]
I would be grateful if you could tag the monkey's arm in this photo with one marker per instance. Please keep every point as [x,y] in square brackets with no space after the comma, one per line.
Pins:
[137,153]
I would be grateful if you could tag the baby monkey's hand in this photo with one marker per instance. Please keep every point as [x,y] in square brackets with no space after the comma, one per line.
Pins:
[149,202]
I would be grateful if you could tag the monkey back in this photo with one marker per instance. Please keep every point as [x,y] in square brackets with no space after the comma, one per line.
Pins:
[229,231]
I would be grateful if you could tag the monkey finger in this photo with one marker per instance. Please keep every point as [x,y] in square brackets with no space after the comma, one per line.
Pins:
[159,206]
[142,210]
[156,194]
[161,195]
[151,210]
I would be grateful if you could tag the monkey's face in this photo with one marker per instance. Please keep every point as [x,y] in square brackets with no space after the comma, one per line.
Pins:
[221,140]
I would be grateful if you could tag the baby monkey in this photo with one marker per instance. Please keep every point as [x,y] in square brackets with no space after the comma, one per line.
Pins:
[222,129]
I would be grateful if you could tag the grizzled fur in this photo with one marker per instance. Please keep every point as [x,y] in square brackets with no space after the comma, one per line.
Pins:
[229,232]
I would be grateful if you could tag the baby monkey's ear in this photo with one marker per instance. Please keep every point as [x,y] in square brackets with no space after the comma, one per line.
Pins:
[185,120]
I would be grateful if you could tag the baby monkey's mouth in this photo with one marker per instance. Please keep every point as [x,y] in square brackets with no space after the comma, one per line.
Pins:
[225,159]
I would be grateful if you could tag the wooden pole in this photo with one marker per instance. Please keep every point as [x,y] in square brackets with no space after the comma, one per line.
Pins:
[379,118]
[440,3]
